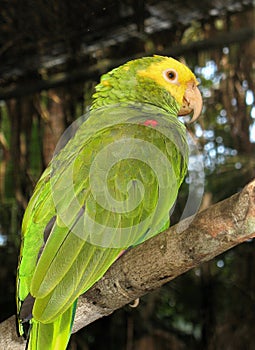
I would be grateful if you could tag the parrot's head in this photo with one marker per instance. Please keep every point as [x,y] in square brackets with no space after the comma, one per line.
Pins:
[158,80]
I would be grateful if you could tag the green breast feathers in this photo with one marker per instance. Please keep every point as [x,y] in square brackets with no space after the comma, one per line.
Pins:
[110,185]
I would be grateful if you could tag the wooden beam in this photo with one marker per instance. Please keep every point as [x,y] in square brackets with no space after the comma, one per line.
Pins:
[83,74]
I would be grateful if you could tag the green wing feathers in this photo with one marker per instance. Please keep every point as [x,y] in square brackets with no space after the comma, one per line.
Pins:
[52,336]
[72,233]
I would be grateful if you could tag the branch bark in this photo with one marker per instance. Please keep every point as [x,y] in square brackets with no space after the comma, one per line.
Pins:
[161,259]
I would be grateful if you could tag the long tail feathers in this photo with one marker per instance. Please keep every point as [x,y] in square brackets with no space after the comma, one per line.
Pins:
[52,336]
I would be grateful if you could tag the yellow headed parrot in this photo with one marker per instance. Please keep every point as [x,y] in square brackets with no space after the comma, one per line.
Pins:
[109,188]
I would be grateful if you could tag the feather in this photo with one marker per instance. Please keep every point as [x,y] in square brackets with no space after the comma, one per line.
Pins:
[110,186]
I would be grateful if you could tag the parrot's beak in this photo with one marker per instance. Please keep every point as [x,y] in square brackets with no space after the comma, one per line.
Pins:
[192,101]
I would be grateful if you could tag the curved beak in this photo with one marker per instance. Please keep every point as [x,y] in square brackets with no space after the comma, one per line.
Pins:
[192,101]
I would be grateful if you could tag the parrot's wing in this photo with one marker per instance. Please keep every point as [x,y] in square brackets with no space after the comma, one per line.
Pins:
[111,187]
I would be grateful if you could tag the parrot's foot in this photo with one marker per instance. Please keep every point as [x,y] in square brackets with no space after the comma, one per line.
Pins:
[135,303]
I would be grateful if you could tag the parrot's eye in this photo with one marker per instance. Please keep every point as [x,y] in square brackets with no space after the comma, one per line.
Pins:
[170,75]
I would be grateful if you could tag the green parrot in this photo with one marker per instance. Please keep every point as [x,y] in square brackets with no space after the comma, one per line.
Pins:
[109,187]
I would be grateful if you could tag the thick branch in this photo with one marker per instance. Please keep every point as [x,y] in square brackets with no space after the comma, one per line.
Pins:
[169,254]
[161,259]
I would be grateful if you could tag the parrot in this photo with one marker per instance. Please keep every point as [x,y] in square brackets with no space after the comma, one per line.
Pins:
[108,188]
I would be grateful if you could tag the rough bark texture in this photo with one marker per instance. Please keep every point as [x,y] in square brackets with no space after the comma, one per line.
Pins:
[161,259]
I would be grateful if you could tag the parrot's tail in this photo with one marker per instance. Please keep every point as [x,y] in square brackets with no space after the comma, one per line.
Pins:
[52,336]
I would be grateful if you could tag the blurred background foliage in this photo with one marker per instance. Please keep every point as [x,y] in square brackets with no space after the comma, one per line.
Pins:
[51,56]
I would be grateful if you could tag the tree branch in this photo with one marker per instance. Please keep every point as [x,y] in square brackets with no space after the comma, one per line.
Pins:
[161,259]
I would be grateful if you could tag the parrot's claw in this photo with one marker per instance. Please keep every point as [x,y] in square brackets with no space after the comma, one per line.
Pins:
[135,303]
